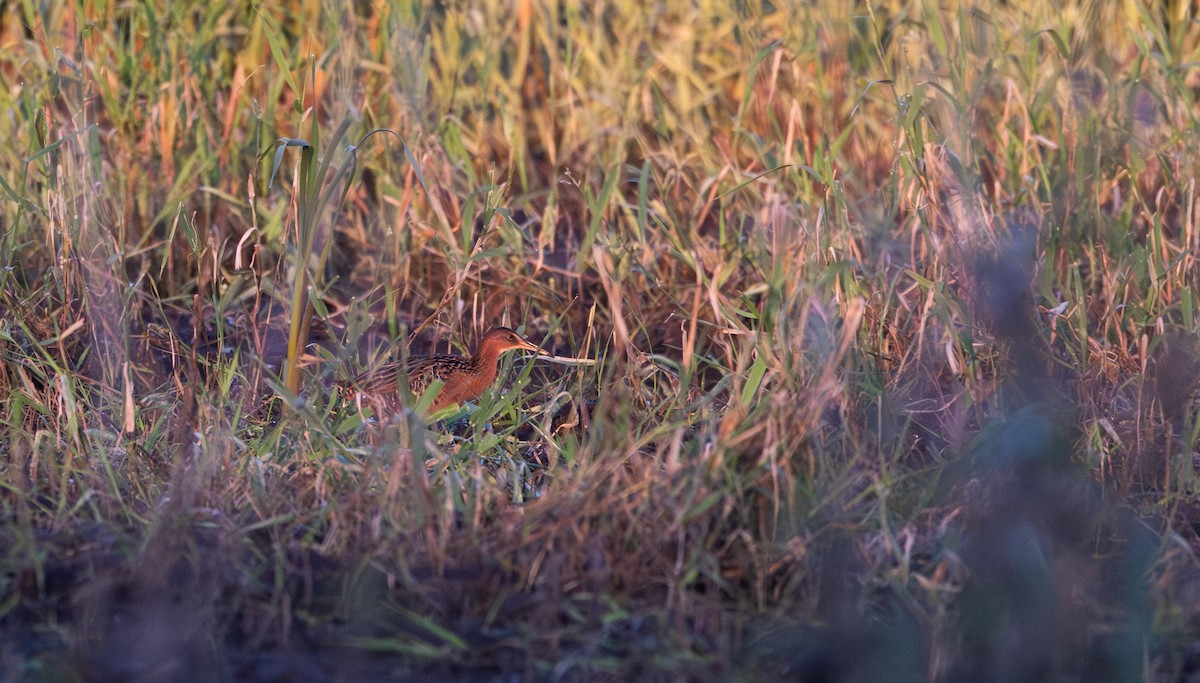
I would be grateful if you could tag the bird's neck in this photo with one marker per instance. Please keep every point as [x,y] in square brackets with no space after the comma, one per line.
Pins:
[486,356]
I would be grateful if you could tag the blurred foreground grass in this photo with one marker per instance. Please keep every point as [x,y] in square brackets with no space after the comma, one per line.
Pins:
[894,303]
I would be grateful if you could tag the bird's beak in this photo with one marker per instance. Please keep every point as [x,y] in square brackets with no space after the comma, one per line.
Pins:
[530,346]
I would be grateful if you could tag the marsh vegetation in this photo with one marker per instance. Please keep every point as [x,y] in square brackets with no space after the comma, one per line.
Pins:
[893,307]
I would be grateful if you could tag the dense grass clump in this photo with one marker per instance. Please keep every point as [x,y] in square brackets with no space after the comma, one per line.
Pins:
[893,306]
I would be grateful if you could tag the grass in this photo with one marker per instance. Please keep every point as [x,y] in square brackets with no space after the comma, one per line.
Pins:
[894,306]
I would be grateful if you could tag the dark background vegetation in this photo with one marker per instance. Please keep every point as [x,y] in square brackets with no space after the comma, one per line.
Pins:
[894,307]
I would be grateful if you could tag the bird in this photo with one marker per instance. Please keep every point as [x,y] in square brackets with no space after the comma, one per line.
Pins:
[463,379]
